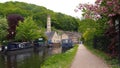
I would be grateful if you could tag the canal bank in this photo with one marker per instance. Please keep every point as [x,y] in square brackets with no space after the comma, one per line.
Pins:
[27,59]
[62,60]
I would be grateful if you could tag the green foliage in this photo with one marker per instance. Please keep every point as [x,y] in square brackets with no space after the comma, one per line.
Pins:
[39,14]
[61,60]
[42,33]
[65,22]
[93,33]
[112,62]
[27,30]
[102,25]
[89,34]
[86,24]
[95,29]
[88,28]
[3,29]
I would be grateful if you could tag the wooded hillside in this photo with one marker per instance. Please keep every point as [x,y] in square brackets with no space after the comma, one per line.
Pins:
[39,15]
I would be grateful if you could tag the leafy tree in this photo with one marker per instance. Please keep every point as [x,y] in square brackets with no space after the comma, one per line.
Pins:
[27,31]
[88,28]
[85,24]
[3,29]
[13,20]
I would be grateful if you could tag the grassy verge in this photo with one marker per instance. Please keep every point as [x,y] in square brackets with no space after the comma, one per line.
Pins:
[112,62]
[62,60]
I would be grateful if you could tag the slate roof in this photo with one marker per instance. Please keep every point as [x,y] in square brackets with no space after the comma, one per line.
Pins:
[50,34]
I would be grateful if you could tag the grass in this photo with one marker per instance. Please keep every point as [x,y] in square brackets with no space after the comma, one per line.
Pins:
[62,60]
[112,62]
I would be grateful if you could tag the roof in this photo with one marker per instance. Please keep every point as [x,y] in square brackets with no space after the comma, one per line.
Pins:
[71,34]
[50,34]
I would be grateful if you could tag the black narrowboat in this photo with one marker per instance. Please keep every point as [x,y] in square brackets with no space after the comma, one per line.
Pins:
[67,43]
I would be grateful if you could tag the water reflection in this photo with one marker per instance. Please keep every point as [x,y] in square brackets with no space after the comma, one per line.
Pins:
[31,59]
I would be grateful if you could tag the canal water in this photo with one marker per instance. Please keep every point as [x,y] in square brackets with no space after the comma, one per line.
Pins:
[30,59]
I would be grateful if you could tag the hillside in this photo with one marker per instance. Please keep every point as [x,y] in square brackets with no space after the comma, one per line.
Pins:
[39,15]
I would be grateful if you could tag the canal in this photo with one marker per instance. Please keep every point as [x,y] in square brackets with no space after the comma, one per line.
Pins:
[27,59]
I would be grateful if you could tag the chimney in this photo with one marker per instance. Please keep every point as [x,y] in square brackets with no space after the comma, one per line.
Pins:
[48,23]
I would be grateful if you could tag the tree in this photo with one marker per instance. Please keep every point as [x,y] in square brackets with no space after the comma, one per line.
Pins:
[3,29]
[13,20]
[88,28]
[39,14]
[27,31]
[110,10]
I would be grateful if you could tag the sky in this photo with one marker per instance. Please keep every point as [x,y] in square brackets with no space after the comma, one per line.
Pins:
[63,6]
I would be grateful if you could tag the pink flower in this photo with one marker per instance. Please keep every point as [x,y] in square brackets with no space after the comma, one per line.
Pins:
[80,6]
[75,10]
[109,3]
[115,8]
[104,9]
[101,7]
[98,2]
[111,15]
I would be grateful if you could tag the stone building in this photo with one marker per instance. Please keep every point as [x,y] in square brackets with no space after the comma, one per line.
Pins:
[53,36]
[64,36]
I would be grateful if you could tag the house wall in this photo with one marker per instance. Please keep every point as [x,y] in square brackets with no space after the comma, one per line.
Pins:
[55,38]
[75,39]
[74,36]
[64,36]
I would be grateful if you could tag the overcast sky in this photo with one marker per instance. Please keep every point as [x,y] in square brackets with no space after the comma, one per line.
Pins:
[63,6]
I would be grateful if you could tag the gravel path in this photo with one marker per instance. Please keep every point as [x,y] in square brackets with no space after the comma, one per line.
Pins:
[85,59]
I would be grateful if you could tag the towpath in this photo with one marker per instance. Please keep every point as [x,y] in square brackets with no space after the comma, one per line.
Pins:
[85,59]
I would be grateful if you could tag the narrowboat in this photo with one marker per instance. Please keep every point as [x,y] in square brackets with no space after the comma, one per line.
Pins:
[67,43]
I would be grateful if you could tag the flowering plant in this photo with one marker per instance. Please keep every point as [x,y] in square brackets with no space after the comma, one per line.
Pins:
[107,8]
